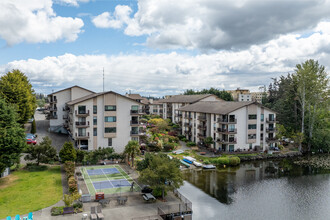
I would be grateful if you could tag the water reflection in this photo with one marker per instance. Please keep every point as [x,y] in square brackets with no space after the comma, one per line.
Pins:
[259,190]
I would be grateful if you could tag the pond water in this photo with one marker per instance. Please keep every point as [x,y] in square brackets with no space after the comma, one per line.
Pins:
[259,190]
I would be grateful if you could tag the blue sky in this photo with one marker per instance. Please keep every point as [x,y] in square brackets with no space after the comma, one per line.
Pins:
[160,47]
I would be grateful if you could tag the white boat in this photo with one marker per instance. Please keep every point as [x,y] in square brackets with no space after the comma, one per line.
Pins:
[178,152]
[197,164]
[210,166]
[189,158]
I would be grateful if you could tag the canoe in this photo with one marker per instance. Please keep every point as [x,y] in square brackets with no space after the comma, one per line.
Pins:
[187,161]
[210,166]
[184,163]
[189,158]
[197,164]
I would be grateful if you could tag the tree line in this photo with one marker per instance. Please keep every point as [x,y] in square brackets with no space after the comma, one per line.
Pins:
[222,94]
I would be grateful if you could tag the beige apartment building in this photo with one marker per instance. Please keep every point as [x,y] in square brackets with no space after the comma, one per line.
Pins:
[173,103]
[232,125]
[105,119]
[57,102]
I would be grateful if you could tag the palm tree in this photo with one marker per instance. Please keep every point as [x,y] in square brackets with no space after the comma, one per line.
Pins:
[131,150]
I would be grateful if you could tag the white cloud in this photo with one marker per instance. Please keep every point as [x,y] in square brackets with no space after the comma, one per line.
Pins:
[70,2]
[34,21]
[172,73]
[214,25]
[119,17]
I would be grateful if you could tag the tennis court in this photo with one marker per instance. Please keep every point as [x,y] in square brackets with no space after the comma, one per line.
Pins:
[108,179]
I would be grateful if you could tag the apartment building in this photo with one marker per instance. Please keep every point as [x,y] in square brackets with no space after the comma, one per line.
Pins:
[143,100]
[105,119]
[156,107]
[258,96]
[57,101]
[173,103]
[241,95]
[232,125]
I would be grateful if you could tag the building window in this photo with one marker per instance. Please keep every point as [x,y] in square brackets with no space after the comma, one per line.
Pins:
[154,110]
[135,107]
[262,117]
[110,130]
[110,119]
[250,146]
[252,126]
[231,148]
[271,117]
[135,139]
[252,117]
[252,136]
[194,114]
[110,108]
[82,109]
[82,132]
[95,131]
[94,109]
[109,142]
[231,128]
[262,127]
[94,120]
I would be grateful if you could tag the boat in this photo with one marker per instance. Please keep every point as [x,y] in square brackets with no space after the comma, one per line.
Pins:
[189,158]
[178,152]
[210,166]
[197,164]
[187,161]
[184,163]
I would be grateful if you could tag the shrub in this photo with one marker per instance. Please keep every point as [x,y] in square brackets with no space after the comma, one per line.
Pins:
[184,139]
[206,162]
[172,133]
[78,205]
[190,144]
[280,146]
[69,168]
[181,137]
[68,153]
[57,211]
[222,161]
[234,161]
[154,147]
[157,192]
[169,147]
[34,167]
[33,127]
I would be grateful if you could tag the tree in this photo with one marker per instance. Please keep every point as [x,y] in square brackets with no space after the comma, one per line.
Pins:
[221,94]
[43,152]
[33,127]
[312,94]
[162,173]
[16,89]
[68,153]
[208,141]
[131,150]
[12,136]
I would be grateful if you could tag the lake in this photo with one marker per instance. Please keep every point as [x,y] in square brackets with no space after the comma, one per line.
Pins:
[259,190]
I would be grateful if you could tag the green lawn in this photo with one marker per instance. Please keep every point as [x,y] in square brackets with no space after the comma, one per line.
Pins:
[27,191]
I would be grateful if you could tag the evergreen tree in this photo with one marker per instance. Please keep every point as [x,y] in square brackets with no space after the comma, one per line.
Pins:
[221,94]
[33,127]
[12,136]
[68,153]
[43,152]
[16,89]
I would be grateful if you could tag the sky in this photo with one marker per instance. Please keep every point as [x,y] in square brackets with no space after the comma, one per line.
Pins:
[161,47]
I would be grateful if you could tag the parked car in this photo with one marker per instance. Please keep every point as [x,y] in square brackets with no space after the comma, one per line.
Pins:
[146,189]
[31,141]
[31,136]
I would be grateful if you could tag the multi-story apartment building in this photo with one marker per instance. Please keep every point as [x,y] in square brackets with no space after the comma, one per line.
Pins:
[241,95]
[232,125]
[105,119]
[258,96]
[143,100]
[156,107]
[57,101]
[173,103]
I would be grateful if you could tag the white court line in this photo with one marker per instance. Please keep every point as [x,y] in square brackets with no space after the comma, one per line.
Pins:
[127,175]
[108,179]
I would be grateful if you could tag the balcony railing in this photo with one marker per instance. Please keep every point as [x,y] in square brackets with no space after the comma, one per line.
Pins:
[227,141]
[187,133]
[271,120]
[201,135]
[53,101]
[82,123]
[270,130]
[222,130]
[137,112]
[201,127]
[226,121]
[82,136]
[53,109]
[53,117]
[202,118]
[65,117]
[133,122]
[137,133]
[271,140]
[82,113]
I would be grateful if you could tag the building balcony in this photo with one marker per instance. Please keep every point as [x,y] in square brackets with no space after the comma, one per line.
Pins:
[227,141]
[270,130]
[137,133]
[202,118]
[271,140]
[82,124]
[137,112]
[65,116]
[271,120]
[226,121]
[52,109]
[81,113]
[135,123]
[226,131]
[82,136]
[201,127]
[53,101]
[187,124]
[201,135]
[188,133]
[66,108]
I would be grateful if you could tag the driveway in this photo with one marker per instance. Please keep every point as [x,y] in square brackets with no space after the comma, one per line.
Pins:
[42,131]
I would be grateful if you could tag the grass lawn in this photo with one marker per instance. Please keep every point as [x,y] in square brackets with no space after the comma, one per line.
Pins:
[27,191]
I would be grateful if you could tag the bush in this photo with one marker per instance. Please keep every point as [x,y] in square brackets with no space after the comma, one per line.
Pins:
[190,144]
[157,192]
[206,162]
[234,161]
[34,167]
[154,147]
[222,161]
[181,137]
[78,205]
[72,184]
[169,147]
[68,153]
[69,168]
[57,211]
[184,139]
[33,127]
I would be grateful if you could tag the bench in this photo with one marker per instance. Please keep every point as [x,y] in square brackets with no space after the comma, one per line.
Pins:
[68,210]
[202,153]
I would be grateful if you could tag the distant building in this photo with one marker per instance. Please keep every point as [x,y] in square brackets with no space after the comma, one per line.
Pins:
[241,95]
[258,96]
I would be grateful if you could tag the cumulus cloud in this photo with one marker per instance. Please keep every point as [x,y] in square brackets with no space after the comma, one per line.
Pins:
[215,25]
[119,17]
[34,22]
[70,2]
[172,73]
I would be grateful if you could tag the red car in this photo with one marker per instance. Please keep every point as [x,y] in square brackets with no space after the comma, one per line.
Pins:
[31,141]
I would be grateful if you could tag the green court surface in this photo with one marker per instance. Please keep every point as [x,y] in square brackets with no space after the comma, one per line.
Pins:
[109,179]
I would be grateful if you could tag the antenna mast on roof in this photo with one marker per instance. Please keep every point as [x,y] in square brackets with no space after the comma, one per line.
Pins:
[103,79]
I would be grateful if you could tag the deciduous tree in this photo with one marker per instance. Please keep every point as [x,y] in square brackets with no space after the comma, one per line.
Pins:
[16,89]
